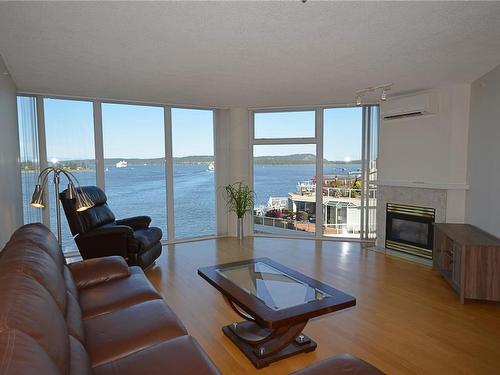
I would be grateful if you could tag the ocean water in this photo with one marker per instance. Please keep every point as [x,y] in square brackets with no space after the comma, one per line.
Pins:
[141,190]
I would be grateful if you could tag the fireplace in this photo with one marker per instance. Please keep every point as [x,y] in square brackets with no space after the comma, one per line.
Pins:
[409,229]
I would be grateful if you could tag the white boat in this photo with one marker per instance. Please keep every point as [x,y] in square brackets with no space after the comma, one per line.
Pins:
[121,164]
[211,166]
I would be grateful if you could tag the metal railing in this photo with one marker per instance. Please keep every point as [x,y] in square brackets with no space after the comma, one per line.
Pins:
[337,192]
[305,226]
[283,223]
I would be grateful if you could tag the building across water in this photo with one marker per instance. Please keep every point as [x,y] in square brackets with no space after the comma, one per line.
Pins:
[341,208]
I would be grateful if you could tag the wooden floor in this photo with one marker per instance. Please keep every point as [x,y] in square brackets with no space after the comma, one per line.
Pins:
[407,319]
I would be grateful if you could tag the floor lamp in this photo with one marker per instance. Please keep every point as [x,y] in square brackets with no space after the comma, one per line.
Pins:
[83,202]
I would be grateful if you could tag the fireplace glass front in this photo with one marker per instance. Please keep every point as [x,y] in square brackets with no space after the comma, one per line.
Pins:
[409,229]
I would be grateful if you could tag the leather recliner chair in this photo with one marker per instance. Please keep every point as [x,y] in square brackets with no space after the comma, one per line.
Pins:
[98,234]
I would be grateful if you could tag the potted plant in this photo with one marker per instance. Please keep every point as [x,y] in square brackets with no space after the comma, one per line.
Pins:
[239,199]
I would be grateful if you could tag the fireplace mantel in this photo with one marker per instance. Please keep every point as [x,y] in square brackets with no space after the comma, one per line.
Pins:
[424,184]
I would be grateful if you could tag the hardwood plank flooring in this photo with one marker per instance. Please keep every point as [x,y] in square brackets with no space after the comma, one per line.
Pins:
[407,320]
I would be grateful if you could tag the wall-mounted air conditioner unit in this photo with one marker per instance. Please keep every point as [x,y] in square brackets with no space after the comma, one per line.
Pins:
[409,106]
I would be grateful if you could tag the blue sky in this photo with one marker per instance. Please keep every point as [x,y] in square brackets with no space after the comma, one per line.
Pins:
[132,131]
[129,131]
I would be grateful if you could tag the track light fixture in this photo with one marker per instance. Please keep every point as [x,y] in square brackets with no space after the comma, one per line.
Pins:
[385,87]
[384,95]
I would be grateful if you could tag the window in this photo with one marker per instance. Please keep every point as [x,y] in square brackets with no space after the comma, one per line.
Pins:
[284,188]
[69,136]
[132,166]
[284,175]
[193,171]
[289,199]
[29,158]
[134,161]
[284,125]
[341,191]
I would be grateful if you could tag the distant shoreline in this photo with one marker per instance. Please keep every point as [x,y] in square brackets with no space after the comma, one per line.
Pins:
[294,159]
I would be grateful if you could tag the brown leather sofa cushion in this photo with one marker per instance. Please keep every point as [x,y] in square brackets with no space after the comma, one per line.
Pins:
[111,336]
[91,272]
[342,364]
[70,282]
[74,318]
[180,356]
[41,237]
[32,261]
[117,294]
[28,307]
[79,359]
[22,355]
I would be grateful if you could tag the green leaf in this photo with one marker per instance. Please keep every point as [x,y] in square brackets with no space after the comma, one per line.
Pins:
[239,198]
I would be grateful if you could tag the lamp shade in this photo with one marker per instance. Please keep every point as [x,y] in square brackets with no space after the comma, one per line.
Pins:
[71,191]
[82,202]
[37,198]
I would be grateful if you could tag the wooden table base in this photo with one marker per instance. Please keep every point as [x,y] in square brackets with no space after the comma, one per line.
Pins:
[263,346]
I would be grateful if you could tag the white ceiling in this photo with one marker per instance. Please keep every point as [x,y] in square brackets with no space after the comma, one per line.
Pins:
[245,53]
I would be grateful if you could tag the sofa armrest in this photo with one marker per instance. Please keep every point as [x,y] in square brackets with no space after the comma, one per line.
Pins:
[136,222]
[104,241]
[91,272]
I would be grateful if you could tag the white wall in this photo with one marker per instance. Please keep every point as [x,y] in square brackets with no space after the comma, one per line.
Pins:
[430,151]
[239,155]
[11,213]
[222,165]
[233,161]
[483,201]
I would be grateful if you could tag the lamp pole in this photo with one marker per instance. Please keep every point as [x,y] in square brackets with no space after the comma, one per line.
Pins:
[57,180]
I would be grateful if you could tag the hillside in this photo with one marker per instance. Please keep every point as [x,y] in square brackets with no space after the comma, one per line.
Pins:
[206,159]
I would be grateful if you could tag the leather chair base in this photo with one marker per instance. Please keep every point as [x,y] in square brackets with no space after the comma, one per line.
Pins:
[147,258]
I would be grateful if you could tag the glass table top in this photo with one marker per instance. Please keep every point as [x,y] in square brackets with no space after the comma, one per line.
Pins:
[272,286]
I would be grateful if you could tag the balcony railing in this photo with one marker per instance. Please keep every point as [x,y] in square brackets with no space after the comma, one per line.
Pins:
[275,225]
[306,189]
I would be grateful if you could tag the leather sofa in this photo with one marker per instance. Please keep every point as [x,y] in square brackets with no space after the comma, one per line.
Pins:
[97,316]
[98,233]
[342,364]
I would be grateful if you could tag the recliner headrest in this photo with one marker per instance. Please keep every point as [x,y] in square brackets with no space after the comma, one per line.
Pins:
[96,195]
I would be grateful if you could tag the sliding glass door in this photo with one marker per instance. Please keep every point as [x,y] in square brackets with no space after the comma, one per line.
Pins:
[341,190]
[369,223]
[134,161]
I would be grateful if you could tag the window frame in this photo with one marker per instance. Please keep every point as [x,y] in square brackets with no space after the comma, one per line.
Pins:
[99,153]
[318,141]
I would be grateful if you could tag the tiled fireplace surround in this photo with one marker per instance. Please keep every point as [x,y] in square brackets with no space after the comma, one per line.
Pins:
[416,196]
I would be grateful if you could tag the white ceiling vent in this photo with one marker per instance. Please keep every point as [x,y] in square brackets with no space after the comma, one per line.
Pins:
[409,106]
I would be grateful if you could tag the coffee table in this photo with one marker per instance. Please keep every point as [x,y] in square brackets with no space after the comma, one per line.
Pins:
[276,303]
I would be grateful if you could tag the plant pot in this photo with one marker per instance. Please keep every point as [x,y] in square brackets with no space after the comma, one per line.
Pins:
[240,228]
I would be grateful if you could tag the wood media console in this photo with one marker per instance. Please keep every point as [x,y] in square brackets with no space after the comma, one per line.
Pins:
[469,259]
